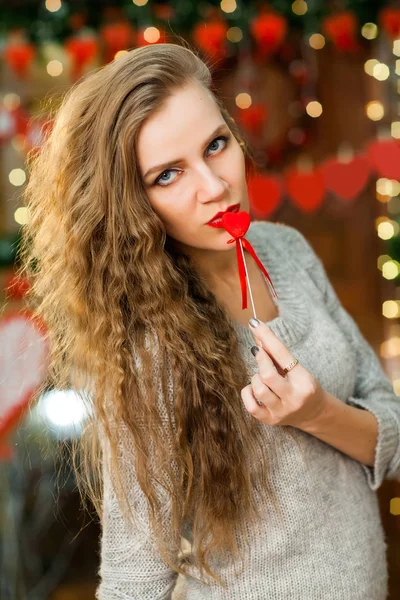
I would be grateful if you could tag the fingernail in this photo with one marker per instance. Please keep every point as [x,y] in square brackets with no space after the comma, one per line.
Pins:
[254,350]
[254,322]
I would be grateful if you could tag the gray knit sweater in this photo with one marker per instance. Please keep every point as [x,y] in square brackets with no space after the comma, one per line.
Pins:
[330,544]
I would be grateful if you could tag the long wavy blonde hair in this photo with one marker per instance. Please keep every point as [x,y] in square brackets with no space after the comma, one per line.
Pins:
[104,274]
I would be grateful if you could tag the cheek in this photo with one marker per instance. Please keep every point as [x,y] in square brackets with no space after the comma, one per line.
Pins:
[237,178]
[237,166]
[174,210]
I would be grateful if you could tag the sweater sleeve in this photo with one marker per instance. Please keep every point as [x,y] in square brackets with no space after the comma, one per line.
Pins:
[373,390]
[131,567]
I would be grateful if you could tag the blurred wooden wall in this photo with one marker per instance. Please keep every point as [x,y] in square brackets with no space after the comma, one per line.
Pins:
[342,234]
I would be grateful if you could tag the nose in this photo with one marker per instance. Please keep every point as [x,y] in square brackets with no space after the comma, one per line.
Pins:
[210,186]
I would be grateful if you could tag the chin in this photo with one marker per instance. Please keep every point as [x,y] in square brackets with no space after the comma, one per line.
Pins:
[222,240]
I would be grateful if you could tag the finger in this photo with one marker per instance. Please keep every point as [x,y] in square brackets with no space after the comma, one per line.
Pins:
[271,343]
[252,404]
[268,372]
[262,392]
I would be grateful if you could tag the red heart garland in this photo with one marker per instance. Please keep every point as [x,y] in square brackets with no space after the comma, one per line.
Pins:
[237,224]
[341,29]
[390,21]
[306,189]
[346,180]
[269,31]
[254,117]
[265,193]
[384,156]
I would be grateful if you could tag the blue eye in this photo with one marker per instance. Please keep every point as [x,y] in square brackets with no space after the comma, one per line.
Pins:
[221,137]
[167,182]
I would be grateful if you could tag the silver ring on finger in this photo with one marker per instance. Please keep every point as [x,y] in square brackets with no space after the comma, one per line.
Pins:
[257,400]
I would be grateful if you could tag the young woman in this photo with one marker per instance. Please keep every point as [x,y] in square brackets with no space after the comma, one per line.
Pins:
[266,463]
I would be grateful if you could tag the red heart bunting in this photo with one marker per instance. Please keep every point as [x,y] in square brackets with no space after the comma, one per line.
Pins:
[384,156]
[306,188]
[265,193]
[346,180]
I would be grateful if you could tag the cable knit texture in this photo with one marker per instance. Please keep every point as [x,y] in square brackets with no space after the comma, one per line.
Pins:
[330,544]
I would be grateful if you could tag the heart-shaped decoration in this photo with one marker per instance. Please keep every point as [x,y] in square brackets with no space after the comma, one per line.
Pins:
[23,366]
[236,223]
[346,180]
[306,189]
[390,21]
[384,155]
[265,193]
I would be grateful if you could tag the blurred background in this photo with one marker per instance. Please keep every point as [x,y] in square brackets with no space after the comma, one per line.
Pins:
[315,88]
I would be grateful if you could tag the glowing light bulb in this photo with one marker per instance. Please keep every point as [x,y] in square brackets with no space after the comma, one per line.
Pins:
[53,5]
[395,506]
[17,177]
[243,100]
[369,31]
[54,68]
[228,6]
[151,35]
[369,65]
[381,71]
[316,41]
[375,110]
[299,7]
[21,215]
[64,410]
[390,269]
[234,35]
[391,309]
[314,109]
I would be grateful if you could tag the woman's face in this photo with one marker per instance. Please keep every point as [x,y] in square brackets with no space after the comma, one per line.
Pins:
[206,170]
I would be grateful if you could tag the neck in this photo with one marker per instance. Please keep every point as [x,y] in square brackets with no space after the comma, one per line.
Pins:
[218,268]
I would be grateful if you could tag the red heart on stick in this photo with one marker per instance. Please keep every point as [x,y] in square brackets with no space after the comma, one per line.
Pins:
[236,223]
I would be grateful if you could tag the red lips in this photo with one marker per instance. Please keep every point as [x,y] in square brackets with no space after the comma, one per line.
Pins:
[232,208]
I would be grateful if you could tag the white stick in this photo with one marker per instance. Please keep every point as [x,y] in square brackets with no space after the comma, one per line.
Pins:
[247,279]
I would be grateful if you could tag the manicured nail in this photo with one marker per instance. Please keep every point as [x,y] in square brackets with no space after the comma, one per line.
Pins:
[254,322]
[254,350]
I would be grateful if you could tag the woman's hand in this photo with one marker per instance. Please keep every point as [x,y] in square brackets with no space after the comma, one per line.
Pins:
[295,398]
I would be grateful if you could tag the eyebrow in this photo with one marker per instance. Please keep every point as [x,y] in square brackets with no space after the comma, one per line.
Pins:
[163,166]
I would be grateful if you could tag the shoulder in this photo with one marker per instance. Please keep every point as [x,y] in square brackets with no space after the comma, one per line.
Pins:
[284,239]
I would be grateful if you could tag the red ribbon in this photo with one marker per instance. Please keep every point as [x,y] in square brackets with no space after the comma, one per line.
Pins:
[242,271]
[237,224]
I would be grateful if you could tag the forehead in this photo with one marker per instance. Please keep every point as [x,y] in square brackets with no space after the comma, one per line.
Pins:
[186,118]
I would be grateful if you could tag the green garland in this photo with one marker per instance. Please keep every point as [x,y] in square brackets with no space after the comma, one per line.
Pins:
[41,24]
[9,249]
